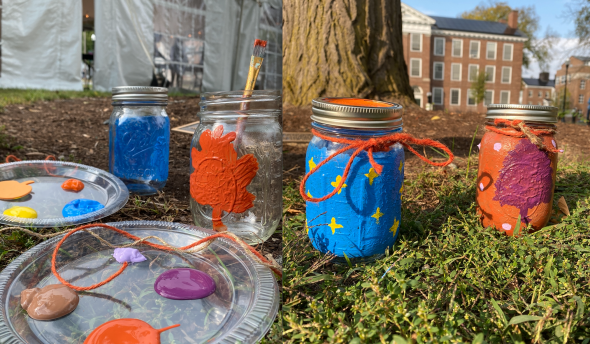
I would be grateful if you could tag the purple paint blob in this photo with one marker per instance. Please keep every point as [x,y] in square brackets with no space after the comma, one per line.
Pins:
[129,255]
[481,186]
[479,146]
[497,147]
[506,226]
[184,284]
[525,180]
[553,143]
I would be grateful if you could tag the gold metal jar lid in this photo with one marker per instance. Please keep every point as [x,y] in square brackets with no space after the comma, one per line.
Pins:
[528,113]
[356,113]
[139,93]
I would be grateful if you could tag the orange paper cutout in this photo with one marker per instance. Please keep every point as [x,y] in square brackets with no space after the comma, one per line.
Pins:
[220,178]
[11,189]
[126,331]
[73,185]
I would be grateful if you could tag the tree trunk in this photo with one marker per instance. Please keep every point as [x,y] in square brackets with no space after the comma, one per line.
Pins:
[343,48]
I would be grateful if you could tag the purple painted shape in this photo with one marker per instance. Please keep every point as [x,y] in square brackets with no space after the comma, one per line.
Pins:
[184,284]
[525,180]
[479,146]
[497,146]
[129,255]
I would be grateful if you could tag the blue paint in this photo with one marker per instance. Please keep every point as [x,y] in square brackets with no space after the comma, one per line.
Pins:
[355,208]
[139,148]
[81,206]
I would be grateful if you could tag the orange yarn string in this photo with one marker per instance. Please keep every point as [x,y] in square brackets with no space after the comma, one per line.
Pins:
[371,145]
[133,237]
[517,128]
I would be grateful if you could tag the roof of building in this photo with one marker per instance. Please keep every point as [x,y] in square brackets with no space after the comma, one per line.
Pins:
[582,58]
[470,25]
[538,82]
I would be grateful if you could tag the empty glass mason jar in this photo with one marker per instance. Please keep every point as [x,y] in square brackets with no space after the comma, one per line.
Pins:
[236,171]
[139,138]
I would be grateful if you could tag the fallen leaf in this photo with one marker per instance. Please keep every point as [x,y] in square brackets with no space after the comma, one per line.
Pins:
[435,118]
[31,110]
[90,152]
[105,109]
[85,102]
[35,153]
[563,206]
[21,107]
[85,135]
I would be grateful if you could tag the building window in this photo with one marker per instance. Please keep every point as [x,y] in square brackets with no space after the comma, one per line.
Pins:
[547,94]
[581,99]
[457,47]
[582,84]
[507,52]
[540,94]
[456,72]
[416,42]
[470,98]
[455,96]
[530,94]
[438,71]
[473,70]
[491,51]
[418,95]
[506,75]
[504,97]
[437,95]
[416,67]
[490,74]
[488,98]
[474,49]
[439,46]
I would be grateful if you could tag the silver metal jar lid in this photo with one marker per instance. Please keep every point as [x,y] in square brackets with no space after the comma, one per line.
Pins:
[140,93]
[529,113]
[373,114]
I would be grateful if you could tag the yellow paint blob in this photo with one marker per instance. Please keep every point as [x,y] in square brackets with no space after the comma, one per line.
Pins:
[24,212]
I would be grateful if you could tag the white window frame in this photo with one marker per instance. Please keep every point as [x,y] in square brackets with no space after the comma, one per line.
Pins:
[469,92]
[469,73]
[443,46]
[434,71]
[478,49]
[501,97]
[458,97]
[582,84]
[493,75]
[495,50]
[484,98]
[453,48]
[412,46]
[511,51]
[581,99]
[460,71]
[509,75]
[419,69]
[442,95]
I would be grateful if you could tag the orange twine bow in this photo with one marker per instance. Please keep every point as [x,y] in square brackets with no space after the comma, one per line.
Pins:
[371,145]
[522,130]
[133,237]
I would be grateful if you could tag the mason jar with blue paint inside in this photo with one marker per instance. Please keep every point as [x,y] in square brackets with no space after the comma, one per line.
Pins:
[139,138]
[362,218]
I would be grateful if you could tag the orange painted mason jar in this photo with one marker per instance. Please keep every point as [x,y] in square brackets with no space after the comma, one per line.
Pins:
[517,167]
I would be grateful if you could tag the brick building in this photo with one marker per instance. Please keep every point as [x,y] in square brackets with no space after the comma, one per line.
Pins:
[444,56]
[539,91]
[578,79]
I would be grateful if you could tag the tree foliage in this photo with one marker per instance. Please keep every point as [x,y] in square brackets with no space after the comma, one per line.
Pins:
[580,10]
[478,87]
[528,23]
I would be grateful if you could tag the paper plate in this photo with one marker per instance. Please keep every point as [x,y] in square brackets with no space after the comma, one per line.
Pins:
[241,310]
[48,198]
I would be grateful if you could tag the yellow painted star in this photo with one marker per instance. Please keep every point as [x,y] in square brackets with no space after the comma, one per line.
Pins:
[309,195]
[394,228]
[401,165]
[335,184]
[377,215]
[401,189]
[312,164]
[371,175]
[334,225]
[307,228]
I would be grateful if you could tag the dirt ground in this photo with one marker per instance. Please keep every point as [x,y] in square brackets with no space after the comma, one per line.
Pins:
[75,130]
[453,129]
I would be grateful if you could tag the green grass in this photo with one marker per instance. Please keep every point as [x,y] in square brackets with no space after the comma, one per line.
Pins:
[10,96]
[451,280]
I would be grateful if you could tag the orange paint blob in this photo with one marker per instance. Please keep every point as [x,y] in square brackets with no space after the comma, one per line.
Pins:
[358,102]
[73,185]
[11,189]
[126,331]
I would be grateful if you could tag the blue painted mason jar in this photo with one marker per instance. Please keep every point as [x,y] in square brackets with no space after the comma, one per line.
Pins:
[363,218]
[139,138]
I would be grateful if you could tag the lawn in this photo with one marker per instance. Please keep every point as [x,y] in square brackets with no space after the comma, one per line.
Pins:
[19,96]
[451,280]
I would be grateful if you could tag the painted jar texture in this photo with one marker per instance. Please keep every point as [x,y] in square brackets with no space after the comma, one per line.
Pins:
[139,138]
[236,169]
[516,178]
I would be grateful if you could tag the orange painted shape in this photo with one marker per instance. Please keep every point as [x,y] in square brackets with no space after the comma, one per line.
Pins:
[493,151]
[11,189]
[126,331]
[220,178]
[358,102]
[73,185]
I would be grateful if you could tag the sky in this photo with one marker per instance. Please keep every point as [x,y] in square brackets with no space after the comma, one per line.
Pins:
[552,13]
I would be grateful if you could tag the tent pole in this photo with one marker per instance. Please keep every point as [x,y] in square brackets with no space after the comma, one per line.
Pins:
[237,55]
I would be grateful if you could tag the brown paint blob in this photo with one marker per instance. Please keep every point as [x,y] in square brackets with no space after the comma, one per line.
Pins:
[73,185]
[50,302]
[126,331]
[358,102]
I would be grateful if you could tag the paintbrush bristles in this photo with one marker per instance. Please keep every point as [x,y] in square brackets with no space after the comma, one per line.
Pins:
[259,48]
